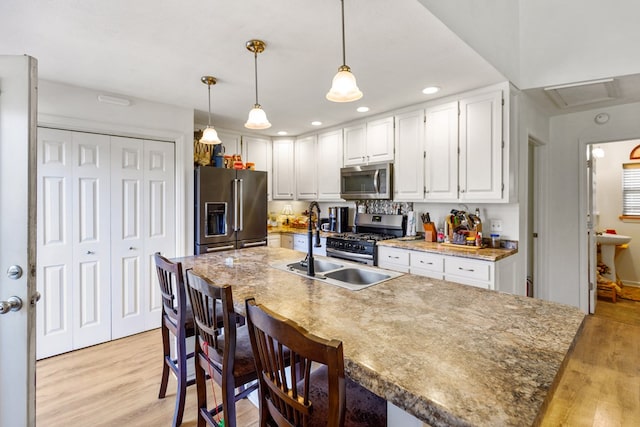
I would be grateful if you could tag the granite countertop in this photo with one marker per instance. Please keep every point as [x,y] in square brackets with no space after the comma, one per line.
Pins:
[446,353]
[488,254]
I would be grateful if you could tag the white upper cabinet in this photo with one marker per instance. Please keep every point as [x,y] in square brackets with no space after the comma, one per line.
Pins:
[232,143]
[306,168]
[441,153]
[369,142]
[258,151]
[329,162]
[409,159]
[481,156]
[283,170]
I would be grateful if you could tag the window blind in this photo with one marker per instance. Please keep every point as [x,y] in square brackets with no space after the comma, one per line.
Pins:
[631,189]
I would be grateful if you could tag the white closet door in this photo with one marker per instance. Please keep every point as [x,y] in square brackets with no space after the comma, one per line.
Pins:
[55,243]
[127,237]
[74,266]
[91,240]
[159,221]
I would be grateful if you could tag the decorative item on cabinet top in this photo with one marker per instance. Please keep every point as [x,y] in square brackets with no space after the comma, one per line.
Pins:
[202,153]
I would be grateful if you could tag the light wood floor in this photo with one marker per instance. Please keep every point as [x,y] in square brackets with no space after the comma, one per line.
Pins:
[116,384]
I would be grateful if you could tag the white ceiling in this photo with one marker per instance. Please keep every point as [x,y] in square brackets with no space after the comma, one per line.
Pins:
[158,50]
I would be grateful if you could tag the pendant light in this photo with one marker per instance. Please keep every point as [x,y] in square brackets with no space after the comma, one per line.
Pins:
[344,87]
[257,116]
[209,136]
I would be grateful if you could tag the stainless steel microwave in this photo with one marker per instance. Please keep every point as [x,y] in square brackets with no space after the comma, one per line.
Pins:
[367,182]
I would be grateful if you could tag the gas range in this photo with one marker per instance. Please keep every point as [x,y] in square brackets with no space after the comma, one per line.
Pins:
[360,246]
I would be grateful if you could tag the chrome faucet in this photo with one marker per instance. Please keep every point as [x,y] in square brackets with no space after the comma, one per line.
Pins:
[309,260]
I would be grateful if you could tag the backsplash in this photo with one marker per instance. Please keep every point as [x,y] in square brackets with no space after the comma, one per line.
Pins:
[384,206]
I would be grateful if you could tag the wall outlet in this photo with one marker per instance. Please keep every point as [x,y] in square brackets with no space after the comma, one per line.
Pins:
[496,225]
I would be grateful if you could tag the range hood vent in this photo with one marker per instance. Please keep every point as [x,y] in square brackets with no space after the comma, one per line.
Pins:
[583,93]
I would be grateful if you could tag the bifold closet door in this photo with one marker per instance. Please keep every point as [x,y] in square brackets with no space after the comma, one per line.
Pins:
[73,241]
[142,203]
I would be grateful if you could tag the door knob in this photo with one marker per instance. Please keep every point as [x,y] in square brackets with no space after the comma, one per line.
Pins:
[11,304]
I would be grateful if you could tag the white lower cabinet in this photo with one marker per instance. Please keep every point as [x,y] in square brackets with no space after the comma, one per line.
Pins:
[497,275]
[393,259]
[299,242]
[98,227]
[286,241]
[274,240]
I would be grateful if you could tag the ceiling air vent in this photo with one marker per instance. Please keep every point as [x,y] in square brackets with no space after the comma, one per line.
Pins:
[583,93]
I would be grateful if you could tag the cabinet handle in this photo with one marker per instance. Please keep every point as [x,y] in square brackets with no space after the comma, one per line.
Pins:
[428,263]
[462,191]
[394,257]
[466,269]
[90,253]
[131,248]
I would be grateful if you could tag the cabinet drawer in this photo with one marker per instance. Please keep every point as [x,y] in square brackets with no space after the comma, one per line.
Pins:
[427,261]
[393,255]
[300,243]
[467,268]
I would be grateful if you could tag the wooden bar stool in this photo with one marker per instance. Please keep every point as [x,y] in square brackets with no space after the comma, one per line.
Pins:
[310,398]
[177,320]
[222,349]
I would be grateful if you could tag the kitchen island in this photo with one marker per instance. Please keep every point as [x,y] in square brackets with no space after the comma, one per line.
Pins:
[447,354]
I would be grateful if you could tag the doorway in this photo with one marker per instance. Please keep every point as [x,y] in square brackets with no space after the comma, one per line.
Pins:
[535,220]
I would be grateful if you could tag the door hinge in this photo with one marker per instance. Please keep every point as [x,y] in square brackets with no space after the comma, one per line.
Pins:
[589,163]
[503,145]
[590,286]
[503,102]
[502,189]
[424,154]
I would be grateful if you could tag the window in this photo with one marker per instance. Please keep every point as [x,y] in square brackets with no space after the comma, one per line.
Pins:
[631,189]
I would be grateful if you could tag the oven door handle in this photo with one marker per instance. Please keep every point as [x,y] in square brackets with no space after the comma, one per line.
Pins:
[349,254]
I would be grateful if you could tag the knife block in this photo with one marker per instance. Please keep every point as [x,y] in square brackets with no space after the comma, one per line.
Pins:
[430,232]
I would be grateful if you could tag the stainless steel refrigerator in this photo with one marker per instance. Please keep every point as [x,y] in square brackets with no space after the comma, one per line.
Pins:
[230,209]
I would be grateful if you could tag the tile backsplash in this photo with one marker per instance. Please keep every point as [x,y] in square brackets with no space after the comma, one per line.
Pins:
[384,206]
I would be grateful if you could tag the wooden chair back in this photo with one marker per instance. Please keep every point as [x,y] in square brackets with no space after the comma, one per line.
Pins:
[286,402]
[174,298]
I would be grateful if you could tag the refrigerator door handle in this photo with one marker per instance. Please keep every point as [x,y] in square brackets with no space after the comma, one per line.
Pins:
[235,205]
[241,204]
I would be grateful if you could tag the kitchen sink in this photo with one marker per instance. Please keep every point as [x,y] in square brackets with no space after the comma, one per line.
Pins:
[320,266]
[357,276]
[344,274]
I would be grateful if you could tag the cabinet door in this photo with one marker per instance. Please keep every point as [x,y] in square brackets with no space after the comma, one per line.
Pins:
[286,241]
[232,143]
[469,272]
[408,170]
[306,167]
[481,147]
[393,259]
[300,243]
[380,142]
[258,151]
[283,171]
[355,148]
[329,161]
[441,151]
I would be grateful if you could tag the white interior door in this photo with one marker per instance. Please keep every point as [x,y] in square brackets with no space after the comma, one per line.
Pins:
[159,224]
[591,235]
[18,100]
[127,240]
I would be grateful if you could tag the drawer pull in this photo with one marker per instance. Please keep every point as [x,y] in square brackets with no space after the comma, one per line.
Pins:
[428,263]
[394,257]
[466,269]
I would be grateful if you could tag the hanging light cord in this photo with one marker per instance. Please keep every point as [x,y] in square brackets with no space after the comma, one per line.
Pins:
[209,88]
[255,71]
[344,55]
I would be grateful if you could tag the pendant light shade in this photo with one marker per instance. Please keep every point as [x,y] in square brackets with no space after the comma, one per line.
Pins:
[344,87]
[257,117]
[209,136]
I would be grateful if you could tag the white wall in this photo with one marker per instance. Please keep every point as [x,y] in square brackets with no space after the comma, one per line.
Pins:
[70,107]
[568,134]
[609,206]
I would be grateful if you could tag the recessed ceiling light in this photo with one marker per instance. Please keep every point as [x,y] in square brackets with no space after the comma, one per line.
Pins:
[362,109]
[282,132]
[316,123]
[430,90]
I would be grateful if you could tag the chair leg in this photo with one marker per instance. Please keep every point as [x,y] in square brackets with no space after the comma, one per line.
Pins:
[182,380]
[166,354]
[229,403]
[201,388]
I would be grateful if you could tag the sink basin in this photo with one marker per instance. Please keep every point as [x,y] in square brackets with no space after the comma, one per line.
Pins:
[320,266]
[612,239]
[357,276]
[345,274]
